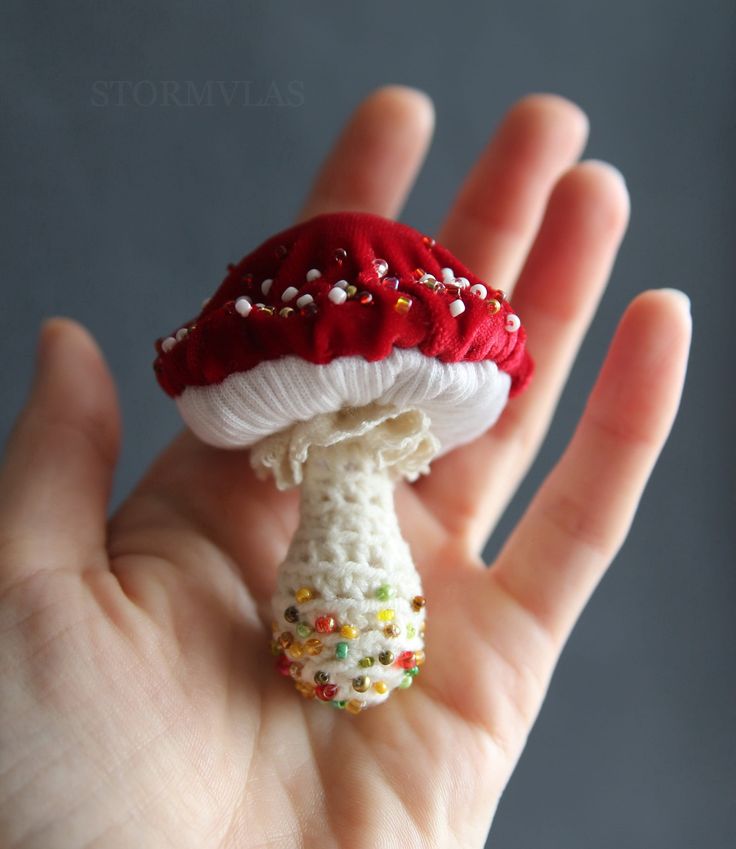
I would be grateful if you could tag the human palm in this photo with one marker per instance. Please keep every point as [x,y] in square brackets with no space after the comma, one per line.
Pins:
[140,706]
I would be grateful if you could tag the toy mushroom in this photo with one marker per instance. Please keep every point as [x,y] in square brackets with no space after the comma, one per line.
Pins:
[346,352]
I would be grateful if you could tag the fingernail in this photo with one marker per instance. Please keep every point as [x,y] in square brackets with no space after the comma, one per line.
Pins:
[678,293]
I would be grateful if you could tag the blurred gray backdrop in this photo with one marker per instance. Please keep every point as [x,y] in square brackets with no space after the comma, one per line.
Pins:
[121,210]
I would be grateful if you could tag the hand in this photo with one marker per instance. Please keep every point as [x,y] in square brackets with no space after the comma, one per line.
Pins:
[139,705]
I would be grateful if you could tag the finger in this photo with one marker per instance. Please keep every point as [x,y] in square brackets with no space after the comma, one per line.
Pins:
[558,290]
[56,476]
[497,211]
[374,162]
[581,515]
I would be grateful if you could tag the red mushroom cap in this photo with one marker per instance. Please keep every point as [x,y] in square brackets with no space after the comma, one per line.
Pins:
[405,302]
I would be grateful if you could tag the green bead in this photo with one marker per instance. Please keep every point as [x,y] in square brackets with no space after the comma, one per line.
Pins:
[303,629]
[410,631]
[384,592]
[406,681]
[338,703]
[413,671]
[341,651]
[366,661]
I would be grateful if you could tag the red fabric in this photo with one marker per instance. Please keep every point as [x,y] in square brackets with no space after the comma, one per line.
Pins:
[221,342]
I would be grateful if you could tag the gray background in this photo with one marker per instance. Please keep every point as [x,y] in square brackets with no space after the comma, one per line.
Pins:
[124,216]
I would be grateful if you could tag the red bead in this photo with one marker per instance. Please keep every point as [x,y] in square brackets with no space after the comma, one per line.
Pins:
[326,692]
[365,297]
[428,241]
[325,624]
[406,659]
[283,664]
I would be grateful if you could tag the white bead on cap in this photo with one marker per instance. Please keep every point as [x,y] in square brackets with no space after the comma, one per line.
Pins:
[457,307]
[513,323]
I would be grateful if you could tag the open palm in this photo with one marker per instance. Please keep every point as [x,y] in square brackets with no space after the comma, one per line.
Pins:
[139,705]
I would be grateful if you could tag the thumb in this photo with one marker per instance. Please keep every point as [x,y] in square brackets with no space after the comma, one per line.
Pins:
[56,475]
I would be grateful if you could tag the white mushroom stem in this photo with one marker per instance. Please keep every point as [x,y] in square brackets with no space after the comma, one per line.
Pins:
[348,549]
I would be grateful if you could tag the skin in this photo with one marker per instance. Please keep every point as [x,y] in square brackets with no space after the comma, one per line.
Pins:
[139,704]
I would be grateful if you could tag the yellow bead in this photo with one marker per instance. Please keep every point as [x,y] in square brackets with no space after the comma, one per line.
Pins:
[354,706]
[419,657]
[303,594]
[403,305]
[385,615]
[350,632]
[295,650]
[380,687]
[313,647]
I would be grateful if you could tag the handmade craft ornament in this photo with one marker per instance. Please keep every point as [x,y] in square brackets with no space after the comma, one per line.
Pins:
[347,352]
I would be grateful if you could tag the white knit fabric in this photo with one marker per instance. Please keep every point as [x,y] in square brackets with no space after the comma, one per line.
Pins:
[461,399]
[348,544]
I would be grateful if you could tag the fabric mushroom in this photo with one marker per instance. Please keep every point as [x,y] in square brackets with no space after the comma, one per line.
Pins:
[346,352]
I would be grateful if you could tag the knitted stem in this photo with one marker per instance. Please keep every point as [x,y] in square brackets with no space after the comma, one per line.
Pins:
[348,553]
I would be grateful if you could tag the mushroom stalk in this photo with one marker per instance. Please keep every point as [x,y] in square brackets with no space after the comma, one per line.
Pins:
[348,609]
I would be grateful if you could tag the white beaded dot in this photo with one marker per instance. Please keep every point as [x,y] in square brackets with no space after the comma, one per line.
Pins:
[181,333]
[289,294]
[462,282]
[342,284]
[168,344]
[457,308]
[243,306]
[304,300]
[513,323]
[266,286]
[480,290]
[337,295]
[447,274]
[313,274]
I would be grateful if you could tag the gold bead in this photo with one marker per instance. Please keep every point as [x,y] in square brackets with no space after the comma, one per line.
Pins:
[313,646]
[321,677]
[493,306]
[295,650]
[392,630]
[285,312]
[351,290]
[419,657]
[303,594]
[305,688]
[418,602]
[386,657]
[286,639]
[361,683]
[366,662]
[350,632]
[380,687]
[385,615]
[354,706]
[295,670]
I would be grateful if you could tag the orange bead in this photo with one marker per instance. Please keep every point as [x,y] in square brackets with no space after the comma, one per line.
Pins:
[354,706]
[313,647]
